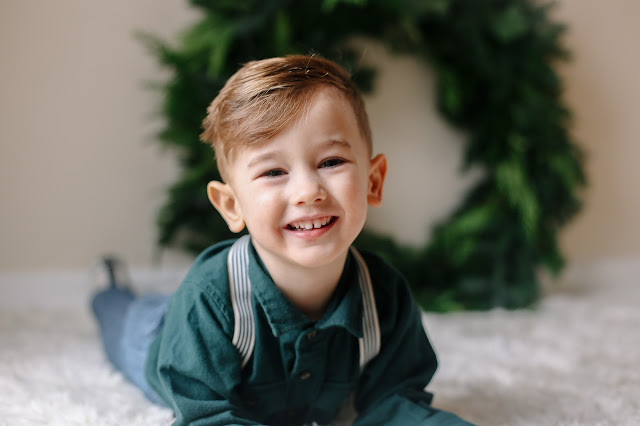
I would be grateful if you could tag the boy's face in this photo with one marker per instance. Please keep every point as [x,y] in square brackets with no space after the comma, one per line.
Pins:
[303,194]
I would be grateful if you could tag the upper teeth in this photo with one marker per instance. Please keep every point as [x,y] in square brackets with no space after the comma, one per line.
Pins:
[311,224]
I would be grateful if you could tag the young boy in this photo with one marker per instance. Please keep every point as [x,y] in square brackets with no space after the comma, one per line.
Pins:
[289,323]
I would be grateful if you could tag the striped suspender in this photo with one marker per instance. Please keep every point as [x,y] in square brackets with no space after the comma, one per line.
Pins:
[370,341]
[244,334]
[244,331]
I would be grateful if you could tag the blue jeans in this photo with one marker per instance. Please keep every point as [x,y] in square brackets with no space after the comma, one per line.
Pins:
[128,325]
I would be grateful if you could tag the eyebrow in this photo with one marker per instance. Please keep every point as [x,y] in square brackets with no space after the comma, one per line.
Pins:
[329,143]
[338,142]
[262,157]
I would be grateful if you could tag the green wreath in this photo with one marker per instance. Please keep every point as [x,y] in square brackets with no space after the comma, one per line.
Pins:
[493,65]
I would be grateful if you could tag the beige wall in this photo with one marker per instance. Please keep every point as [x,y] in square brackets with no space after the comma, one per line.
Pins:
[603,90]
[80,173]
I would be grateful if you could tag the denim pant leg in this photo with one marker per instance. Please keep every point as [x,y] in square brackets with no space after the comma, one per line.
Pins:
[128,326]
[110,308]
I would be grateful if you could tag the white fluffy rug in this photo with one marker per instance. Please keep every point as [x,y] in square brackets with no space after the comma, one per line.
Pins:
[573,360]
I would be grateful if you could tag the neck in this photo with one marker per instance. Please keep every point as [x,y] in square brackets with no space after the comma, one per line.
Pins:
[308,289]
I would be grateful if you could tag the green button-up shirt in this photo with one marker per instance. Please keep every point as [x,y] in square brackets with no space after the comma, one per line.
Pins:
[301,371]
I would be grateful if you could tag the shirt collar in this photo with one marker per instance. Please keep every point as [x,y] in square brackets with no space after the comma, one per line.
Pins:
[344,309]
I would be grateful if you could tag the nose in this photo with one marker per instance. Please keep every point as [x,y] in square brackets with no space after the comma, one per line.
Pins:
[307,188]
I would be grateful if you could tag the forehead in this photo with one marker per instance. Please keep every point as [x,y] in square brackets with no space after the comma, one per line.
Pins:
[326,120]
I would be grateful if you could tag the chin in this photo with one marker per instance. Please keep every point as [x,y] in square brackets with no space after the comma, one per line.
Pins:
[317,258]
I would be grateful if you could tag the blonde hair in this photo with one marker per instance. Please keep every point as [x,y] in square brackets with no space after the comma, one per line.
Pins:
[264,97]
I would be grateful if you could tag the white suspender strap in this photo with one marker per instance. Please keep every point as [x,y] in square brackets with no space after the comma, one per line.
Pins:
[244,328]
[244,335]
[370,342]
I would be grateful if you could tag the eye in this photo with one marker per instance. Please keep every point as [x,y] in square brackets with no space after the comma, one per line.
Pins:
[273,173]
[331,162]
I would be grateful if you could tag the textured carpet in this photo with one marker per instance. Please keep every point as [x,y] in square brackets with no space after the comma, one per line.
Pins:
[572,360]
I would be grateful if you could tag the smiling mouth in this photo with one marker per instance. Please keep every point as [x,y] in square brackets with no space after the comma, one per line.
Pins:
[310,225]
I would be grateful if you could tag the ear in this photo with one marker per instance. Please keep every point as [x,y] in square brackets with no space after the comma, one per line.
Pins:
[224,200]
[377,173]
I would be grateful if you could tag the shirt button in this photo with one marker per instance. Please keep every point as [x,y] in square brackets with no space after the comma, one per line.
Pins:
[312,335]
[305,375]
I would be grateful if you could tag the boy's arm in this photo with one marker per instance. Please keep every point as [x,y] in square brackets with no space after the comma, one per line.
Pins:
[194,365]
[391,389]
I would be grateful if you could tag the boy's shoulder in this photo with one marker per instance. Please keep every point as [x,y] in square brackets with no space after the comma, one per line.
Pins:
[385,277]
[208,274]
[211,263]
[205,288]
[377,265]
[394,300]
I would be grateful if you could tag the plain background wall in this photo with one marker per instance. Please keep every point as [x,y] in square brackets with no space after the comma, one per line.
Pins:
[81,174]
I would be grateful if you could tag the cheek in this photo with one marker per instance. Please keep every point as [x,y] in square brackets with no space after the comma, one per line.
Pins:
[260,202]
[354,192]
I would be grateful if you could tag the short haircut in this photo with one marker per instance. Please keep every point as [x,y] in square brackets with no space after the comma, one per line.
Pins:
[264,97]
